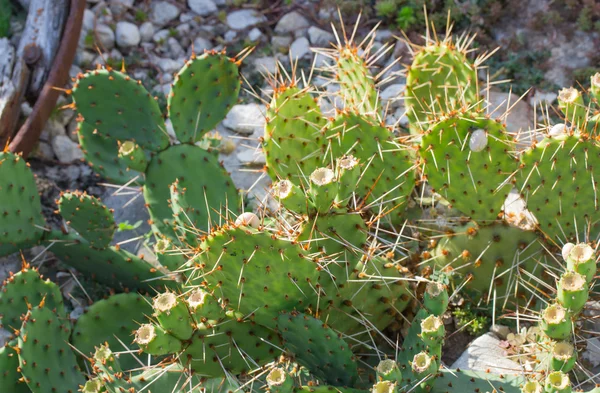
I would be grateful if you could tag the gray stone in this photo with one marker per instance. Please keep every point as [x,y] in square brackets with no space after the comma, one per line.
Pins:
[44,151]
[265,64]
[175,48]
[245,119]
[542,98]
[161,36]
[252,157]
[65,149]
[5,337]
[65,114]
[520,117]
[291,23]
[120,6]
[128,209]
[146,31]
[592,351]
[281,42]
[127,34]
[500,331]
[104,36]
[201,44]
[300,48]
[52,128]
[163,12]
[26,109]
[392,93]
[320,37]
[569,54]
[484,353]
[202,7]
[230,36]
[169,65]
[89,19]
[255,34]
[242,19]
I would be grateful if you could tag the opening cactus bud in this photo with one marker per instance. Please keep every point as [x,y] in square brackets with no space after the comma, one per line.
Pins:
[435,298]
[278,381]
[478,140]
[581,259]
[162,246]
[558,130]
[93,386]
[132,156]
[558,382]
[384,387]
[572,291]
[566,250]
[569,95]
[290,196]
[595,85]
[423,365]
[173,315]
[204,307]
[348,173]
[387,370]
[248,219]
[323,188]
[532,387]
[571,103]
[564,356]
[155,341]
[103,354]
[556,322]
[432,330]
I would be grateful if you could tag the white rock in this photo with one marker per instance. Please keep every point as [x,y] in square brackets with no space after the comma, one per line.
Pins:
[175,48]
[120,6]
[146,31]
[265,64]
[300,48]
[279,41]
[89,19]
[558,129]
[127,34]
[252,157]
[202,7]
[169,65]
[255,34]
[392,92]
[201,44]
[65,149]
[26,109]
[163,12]
[541,97]
[161,36]
[229,36]
[242,19]
[245,119]
[64,114]
[104,36]
[291,23]
[485,353]
[52,128]
[320,37]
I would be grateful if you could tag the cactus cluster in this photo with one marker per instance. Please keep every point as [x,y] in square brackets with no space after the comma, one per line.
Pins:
[307,296]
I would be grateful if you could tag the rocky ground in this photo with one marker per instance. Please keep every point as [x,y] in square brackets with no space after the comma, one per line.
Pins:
[153,38]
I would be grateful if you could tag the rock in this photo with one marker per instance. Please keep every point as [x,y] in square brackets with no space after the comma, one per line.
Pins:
[230,36]
[201,44]
[161,36]
[519,119]
[392,93]
[592,351]
[5,336]
[542,97]
[132,213]
[65,114]
[104,36]
[265,64]
[175,48]
[255,34]
[242,19]
[254,157]
[146,31]
[52,128]
[163,12]
[26,109]
[202,7]
[120,6]
[245,119]
[169,65]
[127,34]
[89,19]
[292,22]
[500,331]
[484,353]
[569,54]
[65,149]
[300,48]
[320,37]
[281,42]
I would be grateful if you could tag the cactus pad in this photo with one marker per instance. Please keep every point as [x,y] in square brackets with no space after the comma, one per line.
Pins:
[89,217]
[46,360]
[318,348]
[21,210]
[204,90]
[357,86]
[468,162]
[207,185]
[9,374]
[449,381]
[120,108]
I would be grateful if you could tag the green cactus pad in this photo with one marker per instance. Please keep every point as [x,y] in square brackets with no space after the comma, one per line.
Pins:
[388,171]
[325,389]
[449,381]
[9,374]
[120,108]
[24,289]
[103,155]
[112,321]
[110,266]
[468,162]
[357,86]
[203,92]
[207,185]
[560,165]
[21,217]
[233,345]
[507,257]
[440,80]
[256,273]
[89,217]
[46,360]
[293,141]
[318,348]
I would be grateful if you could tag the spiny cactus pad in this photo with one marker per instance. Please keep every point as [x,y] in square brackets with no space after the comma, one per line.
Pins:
[207,184]
[112,321]
[204,91]
[120,108]
[89,217]
[256,273]
[558,181]
[449,381]
[21,219]
[46,360]
[468,161]
[357,86]
[9,374]
[293,140]
[23,290]
[319,348]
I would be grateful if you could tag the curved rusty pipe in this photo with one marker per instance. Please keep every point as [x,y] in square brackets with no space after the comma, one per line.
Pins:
[29,133]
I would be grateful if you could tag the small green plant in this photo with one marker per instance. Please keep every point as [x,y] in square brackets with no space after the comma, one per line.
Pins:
[474,322]
[126,226]
[6,11]
[141,16]
[406,18]
[386,8]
